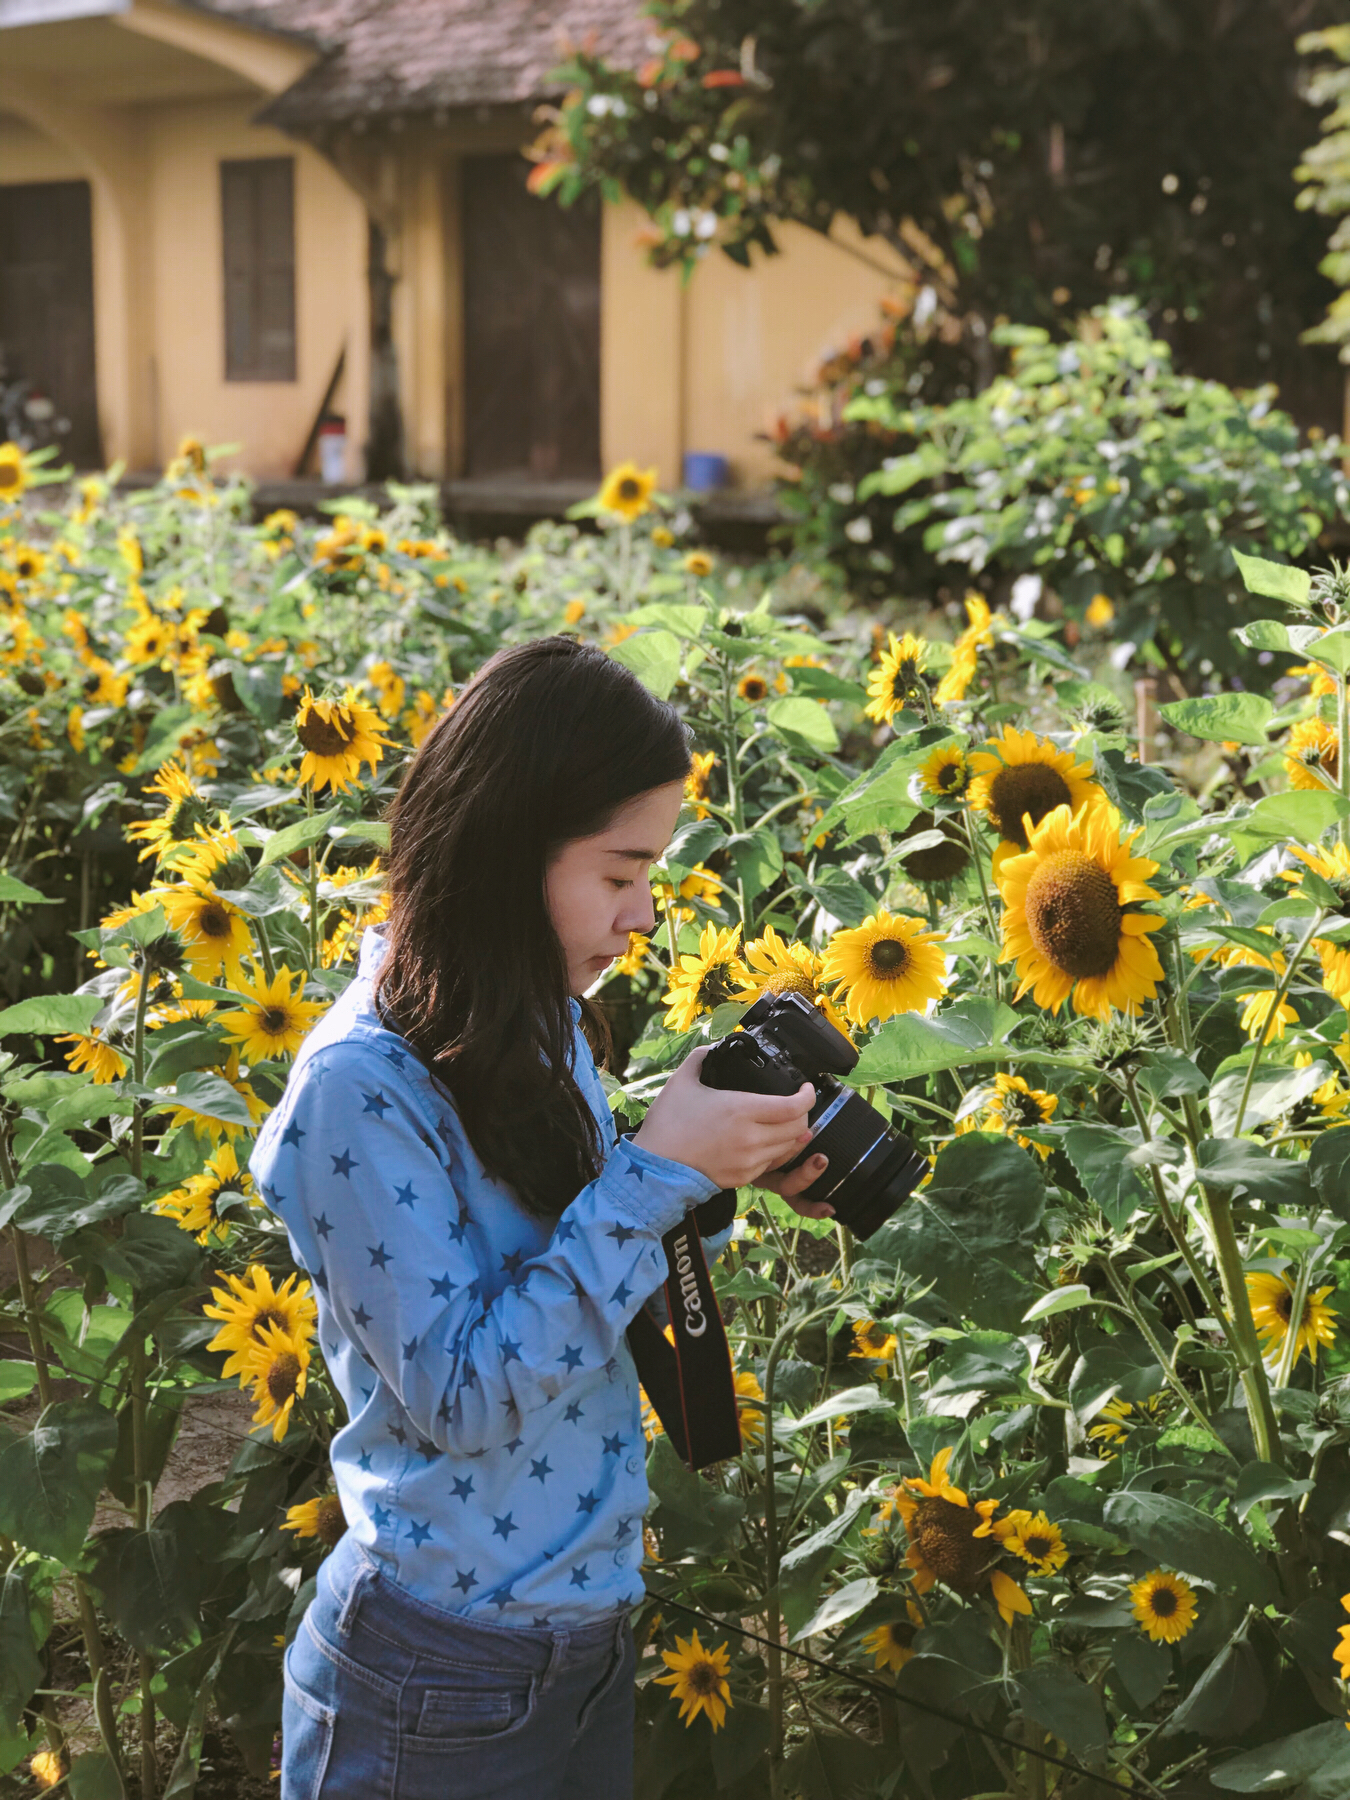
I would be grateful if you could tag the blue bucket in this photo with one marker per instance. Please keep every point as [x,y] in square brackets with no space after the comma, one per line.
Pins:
[704,471]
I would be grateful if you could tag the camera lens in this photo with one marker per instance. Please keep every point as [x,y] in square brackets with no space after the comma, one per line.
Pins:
[872,1169]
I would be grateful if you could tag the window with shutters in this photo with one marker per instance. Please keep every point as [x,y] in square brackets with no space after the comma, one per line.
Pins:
[257,205]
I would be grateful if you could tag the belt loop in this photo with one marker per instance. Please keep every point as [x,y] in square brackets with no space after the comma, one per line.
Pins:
[561,1639]
[347,1617]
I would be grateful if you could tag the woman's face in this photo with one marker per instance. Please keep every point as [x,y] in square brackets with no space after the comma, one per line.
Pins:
[599,888]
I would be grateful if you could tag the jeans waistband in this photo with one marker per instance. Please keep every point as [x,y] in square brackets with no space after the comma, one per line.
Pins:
[352,1571]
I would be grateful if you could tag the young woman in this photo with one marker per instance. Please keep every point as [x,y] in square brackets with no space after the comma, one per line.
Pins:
[446,1164]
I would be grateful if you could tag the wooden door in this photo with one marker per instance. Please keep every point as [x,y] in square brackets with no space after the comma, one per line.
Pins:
[531,327]
[47,303]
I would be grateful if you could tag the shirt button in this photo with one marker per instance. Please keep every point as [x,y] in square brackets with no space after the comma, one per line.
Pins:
[621,1556]
[632,1465]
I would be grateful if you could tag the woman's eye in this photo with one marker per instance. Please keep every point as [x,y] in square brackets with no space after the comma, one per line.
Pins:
[618,881]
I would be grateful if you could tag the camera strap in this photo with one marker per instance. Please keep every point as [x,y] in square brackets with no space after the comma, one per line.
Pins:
[689,1382]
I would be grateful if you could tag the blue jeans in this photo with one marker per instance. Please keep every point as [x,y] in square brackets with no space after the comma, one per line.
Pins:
[391,1698]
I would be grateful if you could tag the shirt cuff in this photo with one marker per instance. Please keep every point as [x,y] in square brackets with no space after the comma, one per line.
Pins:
[652,1190]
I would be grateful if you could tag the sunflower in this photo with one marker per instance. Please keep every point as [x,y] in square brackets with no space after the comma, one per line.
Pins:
[185,808]
[1010,1109]
[252,1305]
[750,1417]
[278,1367]
[698,884]
[389,687]
[28,562]
[421,717]
[707,980]
[94,1053]
[1321,681]
[102,685]
[939,862]
[337,737]
[1100,612]
[752,687]
[196,1205]
[1066,922]
[274,1021]
[778,967]
[213,855]
[698,780]
[1341,1654]
[898,677]
[887,965]
[75,729]
[698,1678]
[1164,1605]
[627,491]
[892,1645]
[574,612]
[215,934]
[1272,1303]
[320,1518]
[1037,1540]
[1312,755]
[1019,774]
[873,1340]
[13,472]
[47,1767]
[958,678]
[1257,1009]
[952,1541]
[634,959]
[205,1124]
[698,564]
[1118,1417]
[945,772]
[149,640]
[1333,866]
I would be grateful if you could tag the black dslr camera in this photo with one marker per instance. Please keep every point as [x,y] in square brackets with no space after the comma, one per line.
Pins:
[784,1041]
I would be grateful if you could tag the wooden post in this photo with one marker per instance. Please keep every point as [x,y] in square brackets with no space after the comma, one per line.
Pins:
[1146,714]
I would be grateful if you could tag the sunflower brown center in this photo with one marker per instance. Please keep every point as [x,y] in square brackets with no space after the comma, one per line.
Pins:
[941,862]
[9,473]
[267,1315]
[213,922]
[703,1678]
[1020,1109]
[273,1019]
[791,981]
[754,688]
[1033,788]
[945,1534]
[323,737]
[1162,1603]
[329,1519]
[715,986]
[887,959]
[1284,1306]
[283,1376]
[1073,914]
[1038,1547]
[949,776]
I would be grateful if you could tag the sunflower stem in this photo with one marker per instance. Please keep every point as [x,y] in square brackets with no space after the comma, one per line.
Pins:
[264,950]
[1289,1349]
[1244,1338]
[312,888]
[1175,1227]
[138,1069]
[1291,964]
[994,933]
[1154,1343]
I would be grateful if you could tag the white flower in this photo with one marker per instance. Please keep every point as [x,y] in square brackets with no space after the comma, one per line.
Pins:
[859,530]
[1026,591]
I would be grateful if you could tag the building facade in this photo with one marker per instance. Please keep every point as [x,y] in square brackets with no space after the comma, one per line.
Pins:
[219,218]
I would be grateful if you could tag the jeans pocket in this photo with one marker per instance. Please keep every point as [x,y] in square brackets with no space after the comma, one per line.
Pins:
[623,1659]
[471,1710]
[306,1739]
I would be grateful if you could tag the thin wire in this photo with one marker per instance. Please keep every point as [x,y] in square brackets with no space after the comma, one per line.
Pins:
[889,1693]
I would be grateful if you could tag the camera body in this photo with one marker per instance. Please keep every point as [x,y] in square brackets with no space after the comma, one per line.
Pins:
[784,1041]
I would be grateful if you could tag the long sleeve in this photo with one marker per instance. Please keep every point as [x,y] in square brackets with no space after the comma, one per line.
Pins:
[369,1168]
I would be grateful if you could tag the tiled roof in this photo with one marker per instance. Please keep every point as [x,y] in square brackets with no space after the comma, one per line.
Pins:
[398,56]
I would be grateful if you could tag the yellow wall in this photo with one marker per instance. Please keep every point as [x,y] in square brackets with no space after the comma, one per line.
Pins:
[711,365]
[267,419]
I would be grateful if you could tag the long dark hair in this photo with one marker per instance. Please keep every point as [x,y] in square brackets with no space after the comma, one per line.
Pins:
[544,745]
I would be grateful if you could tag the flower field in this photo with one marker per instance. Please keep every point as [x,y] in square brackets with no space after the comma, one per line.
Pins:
[1045,1486]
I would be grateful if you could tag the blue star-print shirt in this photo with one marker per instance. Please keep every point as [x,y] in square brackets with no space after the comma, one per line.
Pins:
[494,1460]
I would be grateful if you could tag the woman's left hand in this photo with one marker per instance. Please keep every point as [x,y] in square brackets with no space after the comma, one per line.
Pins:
[788,1185]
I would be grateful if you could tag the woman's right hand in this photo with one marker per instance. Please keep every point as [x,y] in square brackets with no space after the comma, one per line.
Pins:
[730,1137]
